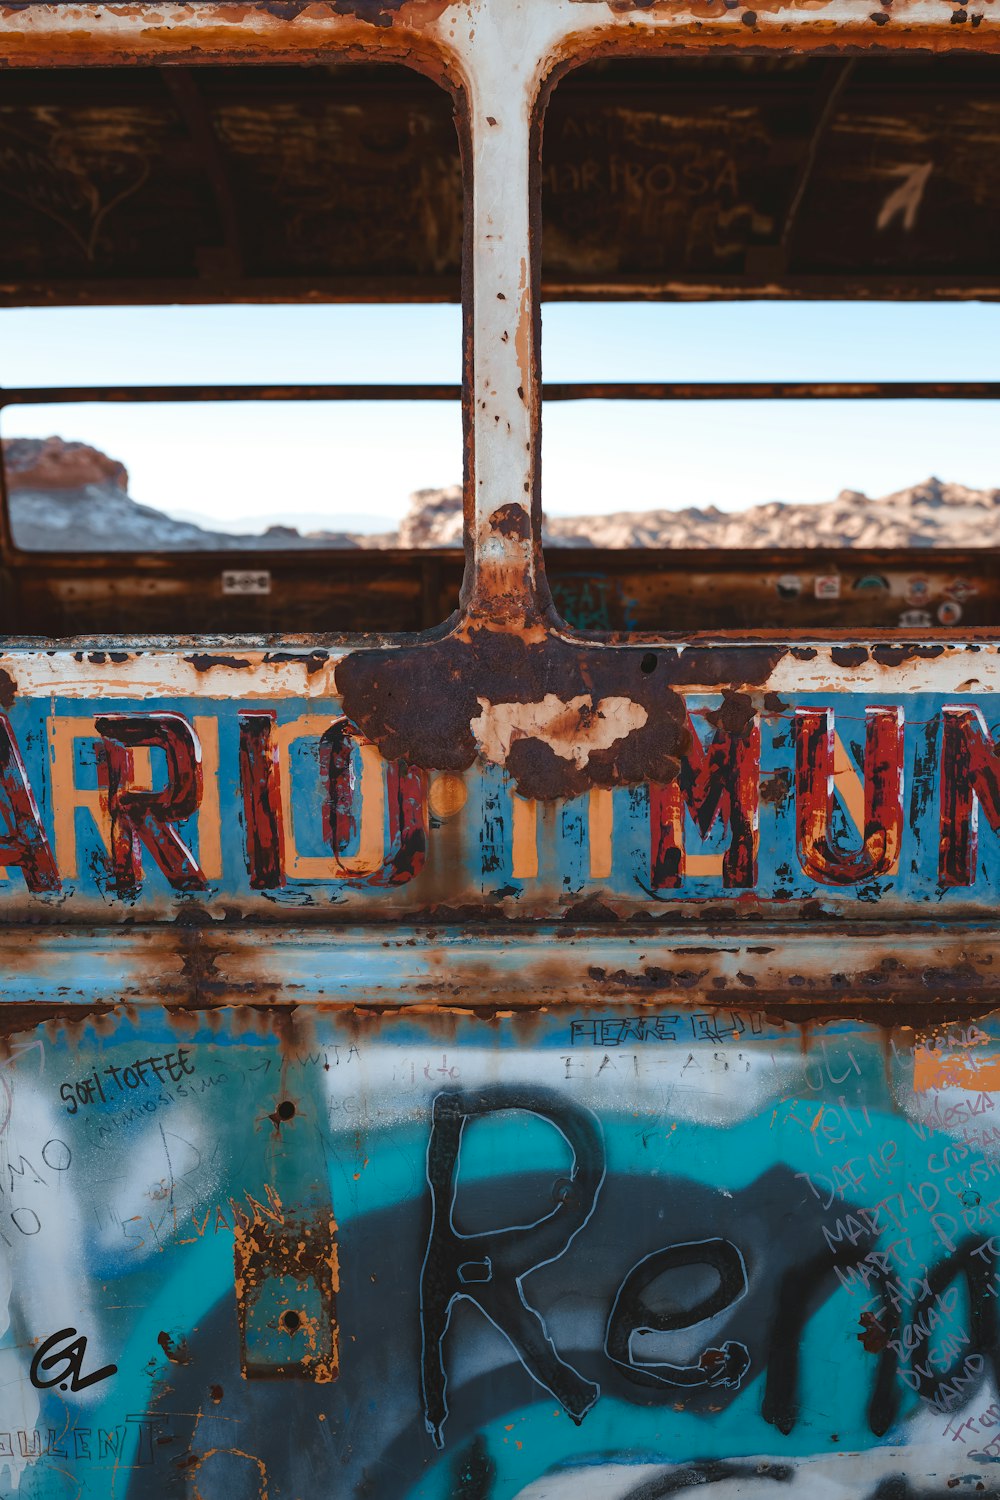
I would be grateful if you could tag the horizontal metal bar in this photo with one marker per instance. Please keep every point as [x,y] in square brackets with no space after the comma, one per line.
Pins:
[775,390]
[705,390]
[59,395]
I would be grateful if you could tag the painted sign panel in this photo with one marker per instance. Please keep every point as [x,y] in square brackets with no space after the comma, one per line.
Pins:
[830,797]
[646,1251]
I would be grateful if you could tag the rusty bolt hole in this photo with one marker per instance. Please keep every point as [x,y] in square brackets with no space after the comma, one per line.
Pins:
[286,1110]
[291,1319]
[648,663]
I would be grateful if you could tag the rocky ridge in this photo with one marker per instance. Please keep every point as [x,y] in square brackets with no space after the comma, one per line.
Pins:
[70,496]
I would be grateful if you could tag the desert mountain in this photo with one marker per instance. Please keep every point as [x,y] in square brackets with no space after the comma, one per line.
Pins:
[69,496]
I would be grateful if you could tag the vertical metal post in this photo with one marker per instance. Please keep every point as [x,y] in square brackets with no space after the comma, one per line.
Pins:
[503,579]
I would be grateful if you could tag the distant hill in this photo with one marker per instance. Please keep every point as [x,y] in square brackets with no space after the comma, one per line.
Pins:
[69,496]
[929,514]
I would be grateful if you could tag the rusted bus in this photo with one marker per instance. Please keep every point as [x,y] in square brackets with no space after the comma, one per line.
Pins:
[350,981]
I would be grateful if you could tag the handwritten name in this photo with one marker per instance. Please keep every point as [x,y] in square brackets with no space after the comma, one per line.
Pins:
[139,1074]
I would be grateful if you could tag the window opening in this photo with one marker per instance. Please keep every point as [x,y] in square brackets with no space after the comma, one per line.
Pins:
[787,432]
[231,332]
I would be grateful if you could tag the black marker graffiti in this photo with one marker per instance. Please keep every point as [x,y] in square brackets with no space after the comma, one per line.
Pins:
[143,1072]
[489,1269]
[68,1363]
[635,1311]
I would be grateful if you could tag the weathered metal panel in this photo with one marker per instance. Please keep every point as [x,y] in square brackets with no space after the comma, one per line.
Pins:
[634,1254]
[514,780]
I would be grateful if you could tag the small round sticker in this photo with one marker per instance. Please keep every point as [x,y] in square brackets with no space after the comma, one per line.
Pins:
[950,612]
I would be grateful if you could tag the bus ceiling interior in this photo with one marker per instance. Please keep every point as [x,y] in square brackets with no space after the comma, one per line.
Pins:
[681,179]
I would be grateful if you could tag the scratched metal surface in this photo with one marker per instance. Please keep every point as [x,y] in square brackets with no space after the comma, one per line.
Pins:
[633,1254]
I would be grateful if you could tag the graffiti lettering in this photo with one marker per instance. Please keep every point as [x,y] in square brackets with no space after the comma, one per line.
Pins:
[618,1031]
[489,1269]
[970,779]
[260,785]
[844,827]
[64,1353]
[634,1311]
[23,841]
[141,1073]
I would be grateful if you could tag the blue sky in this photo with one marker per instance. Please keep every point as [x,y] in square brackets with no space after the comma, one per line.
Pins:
[240,465]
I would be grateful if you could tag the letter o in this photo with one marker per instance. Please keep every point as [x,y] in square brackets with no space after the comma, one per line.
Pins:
[63,1154]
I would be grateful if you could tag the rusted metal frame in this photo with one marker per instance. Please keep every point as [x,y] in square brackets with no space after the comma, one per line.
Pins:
[866,969]
[555,287]
[778,287]
[44,34]
[58,395]
[197,291]
[501,57]
[773,390]
[351,39]
[506,574]
[583,390]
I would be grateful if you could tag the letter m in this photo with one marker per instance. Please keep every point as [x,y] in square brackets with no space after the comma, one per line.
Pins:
[720,781]
[970,779]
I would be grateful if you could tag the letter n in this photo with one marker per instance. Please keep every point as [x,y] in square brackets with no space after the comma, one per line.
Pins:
[970,779]
[720,782]
[22,837]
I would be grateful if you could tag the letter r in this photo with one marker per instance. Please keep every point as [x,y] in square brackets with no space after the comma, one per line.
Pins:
[489,1269]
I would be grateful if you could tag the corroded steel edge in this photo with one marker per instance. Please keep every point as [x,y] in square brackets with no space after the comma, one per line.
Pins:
[918,974]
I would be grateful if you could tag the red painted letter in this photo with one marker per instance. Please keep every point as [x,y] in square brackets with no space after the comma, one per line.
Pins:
[970,779]
[819,856]
[720,782]
[260,784]
[22,837]
[407,844]
[140,816]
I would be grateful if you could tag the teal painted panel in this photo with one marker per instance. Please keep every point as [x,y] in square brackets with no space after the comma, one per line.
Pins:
[438,1257]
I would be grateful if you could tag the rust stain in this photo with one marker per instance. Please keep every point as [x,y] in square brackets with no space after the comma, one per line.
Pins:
[736,713]
[511,521]
[196,1461]
[204,661]
[561,716]
[935,1070]
[175,1347]
[270,1244]
[873,1337]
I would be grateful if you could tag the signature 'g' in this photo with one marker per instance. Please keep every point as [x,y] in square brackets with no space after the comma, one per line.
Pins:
[63,1353]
